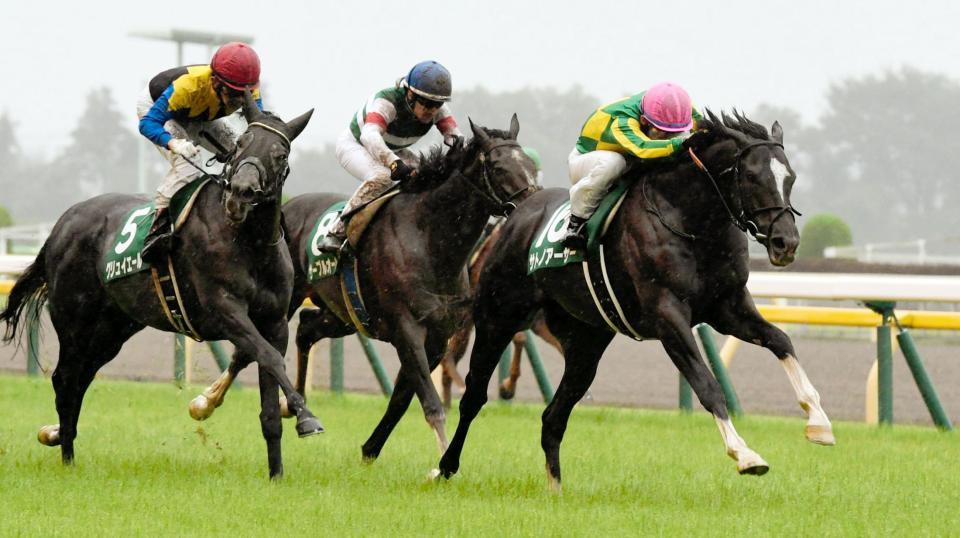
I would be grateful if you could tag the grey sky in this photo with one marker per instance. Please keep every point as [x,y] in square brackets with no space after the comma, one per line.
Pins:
[332,55]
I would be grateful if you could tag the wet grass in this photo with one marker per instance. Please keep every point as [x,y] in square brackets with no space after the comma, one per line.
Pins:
[145,468]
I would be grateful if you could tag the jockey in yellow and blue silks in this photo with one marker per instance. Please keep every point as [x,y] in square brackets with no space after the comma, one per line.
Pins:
[181,102]
[648,125]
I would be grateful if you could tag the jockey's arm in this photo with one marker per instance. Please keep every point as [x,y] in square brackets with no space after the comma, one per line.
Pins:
[628,134]
[447,125]
[151,124]
[379,114]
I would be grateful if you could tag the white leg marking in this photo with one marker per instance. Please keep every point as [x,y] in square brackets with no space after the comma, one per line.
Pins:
[203,406]
[748,461]
[819,429]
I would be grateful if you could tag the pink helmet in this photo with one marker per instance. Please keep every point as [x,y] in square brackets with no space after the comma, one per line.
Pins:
[668,107]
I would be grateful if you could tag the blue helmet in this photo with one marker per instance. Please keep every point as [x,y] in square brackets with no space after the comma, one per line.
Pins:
[430,80]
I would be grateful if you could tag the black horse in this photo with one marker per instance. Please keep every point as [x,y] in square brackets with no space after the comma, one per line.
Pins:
[676,256]
[412,267]
[233,268]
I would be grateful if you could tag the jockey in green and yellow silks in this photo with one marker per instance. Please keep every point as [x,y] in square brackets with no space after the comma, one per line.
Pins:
[648,125]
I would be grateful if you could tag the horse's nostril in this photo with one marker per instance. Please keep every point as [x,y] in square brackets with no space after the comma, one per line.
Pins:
[778,243]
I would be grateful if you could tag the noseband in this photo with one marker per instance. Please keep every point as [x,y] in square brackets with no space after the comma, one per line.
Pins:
[745,220]
[255,161]
[489,191]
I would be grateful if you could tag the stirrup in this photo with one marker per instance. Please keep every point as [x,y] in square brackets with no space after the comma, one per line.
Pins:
[332,243]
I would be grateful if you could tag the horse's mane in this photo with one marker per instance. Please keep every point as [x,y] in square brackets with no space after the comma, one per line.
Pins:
[711,129]
[437,165]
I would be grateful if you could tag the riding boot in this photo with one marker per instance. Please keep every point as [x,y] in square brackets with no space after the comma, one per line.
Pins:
[159,239]
[576,237]
[335,238]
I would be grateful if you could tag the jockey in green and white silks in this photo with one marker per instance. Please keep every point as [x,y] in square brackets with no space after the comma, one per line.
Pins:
[649,125]
[393,119]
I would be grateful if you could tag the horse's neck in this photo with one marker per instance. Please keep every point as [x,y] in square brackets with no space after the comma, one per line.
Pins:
[453,218]
[261,227]
[684,197]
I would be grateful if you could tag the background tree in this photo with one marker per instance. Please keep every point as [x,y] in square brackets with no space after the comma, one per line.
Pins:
[821,231]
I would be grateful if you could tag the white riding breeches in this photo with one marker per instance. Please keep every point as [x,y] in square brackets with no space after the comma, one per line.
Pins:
[224,130]
[362,165]
[592,174]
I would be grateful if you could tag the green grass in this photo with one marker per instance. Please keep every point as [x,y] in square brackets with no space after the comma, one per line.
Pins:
[145,468]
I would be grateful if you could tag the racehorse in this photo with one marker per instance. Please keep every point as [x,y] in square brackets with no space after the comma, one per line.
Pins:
[411,267]
[676,256]
[233,268]
[457,346]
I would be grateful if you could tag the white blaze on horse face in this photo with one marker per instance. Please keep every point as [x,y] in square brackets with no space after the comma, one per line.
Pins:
[780,172]
[518,155]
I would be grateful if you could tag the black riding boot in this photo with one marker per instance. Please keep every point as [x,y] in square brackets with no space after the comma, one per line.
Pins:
[158,241]
[335,238]
[576,238]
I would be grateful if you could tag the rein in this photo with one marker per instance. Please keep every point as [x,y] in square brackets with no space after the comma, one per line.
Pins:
[744,221]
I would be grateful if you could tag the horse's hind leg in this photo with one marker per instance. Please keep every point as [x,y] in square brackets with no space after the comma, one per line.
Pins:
[740,319]
[509,386]
[583,346]
[673,330]
[315,325]
[83,351]
[403,392]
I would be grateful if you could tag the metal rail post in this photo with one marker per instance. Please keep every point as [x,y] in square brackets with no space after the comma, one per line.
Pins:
[884,361]
[927,390]
[336,365]
[374,358]
[686,395]
[179,359]
[543,381]
[719,370]
[219,355]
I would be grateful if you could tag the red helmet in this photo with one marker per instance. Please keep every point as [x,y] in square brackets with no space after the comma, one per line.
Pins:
[236,65]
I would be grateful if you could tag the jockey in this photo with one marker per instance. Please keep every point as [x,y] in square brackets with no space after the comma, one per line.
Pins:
[177,106]
[392,119]
[649,125]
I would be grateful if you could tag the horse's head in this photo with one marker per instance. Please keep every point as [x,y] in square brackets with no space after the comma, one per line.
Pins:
[258,166]
[755,180]
[494,163]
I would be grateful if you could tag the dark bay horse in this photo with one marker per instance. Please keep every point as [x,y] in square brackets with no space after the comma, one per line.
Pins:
[412,266]
[234,271]
[457,347]
[676,256]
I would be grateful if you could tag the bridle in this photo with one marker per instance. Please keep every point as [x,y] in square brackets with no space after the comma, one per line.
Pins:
[506,204]
[230,169]
[743,219]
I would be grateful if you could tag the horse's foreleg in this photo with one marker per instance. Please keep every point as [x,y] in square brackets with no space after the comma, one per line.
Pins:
[743,321]
[203,406]
[411,342]
[403,393]
[270,423]
[673,328]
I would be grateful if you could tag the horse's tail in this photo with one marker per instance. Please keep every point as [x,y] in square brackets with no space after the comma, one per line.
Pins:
[30,289]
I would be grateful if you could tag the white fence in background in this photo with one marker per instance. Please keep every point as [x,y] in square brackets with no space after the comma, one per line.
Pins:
[30,237]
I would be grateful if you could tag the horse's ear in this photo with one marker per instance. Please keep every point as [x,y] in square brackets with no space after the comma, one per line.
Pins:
[514,126]
[777,132]
[478,132]
[250,109]
[296,125]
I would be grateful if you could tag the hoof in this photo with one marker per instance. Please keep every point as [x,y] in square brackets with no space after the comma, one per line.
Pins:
[200,408]
[49,435]
[435,475]
[755,466]
[821,435]
[506,394]
[553,483]
[309,426]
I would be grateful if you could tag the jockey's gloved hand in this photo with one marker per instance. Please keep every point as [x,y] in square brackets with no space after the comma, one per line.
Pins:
[183,147]
[453,141]
[400,170]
